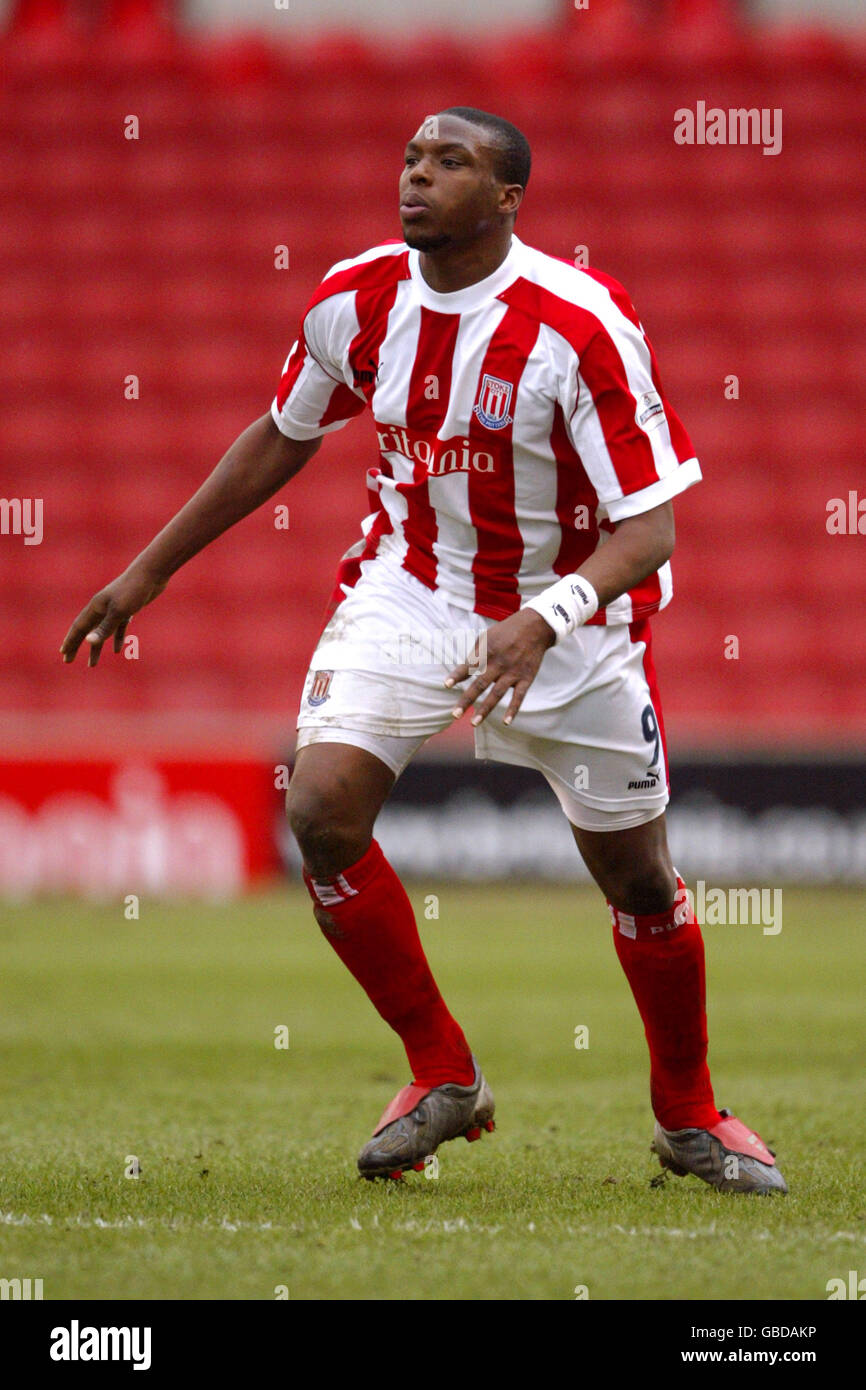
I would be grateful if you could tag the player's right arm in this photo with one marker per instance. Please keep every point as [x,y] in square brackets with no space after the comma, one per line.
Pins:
[316,395]
[257,465]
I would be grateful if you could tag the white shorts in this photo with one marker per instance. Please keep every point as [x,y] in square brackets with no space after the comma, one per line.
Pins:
[590,722]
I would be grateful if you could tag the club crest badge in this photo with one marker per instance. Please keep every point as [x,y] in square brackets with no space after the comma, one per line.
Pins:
[494,398]
[320,687]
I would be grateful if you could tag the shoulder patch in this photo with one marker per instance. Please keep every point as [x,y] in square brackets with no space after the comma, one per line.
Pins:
[650,412]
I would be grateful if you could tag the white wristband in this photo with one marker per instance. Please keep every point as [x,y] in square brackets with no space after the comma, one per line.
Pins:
[567,604]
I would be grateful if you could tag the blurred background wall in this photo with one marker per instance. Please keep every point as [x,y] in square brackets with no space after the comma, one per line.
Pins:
[178,178]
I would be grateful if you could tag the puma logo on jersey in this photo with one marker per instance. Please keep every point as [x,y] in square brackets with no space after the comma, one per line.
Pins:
[365,378]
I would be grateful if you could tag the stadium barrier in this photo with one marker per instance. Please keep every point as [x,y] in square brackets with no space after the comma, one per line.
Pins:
[211,828]
[110,828]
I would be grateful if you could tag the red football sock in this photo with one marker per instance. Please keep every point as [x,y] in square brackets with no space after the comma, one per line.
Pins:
[368,919]
[662,955]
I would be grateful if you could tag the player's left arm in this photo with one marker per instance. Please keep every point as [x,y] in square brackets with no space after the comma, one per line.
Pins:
[638,547]
[637,457]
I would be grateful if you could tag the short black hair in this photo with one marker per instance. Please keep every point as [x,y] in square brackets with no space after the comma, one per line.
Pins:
[514,157]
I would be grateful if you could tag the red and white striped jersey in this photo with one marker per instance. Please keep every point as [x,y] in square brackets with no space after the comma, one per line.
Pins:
[517,421]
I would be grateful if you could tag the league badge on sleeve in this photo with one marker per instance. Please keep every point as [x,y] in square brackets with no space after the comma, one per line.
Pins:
[650,412]
[321,684]
[494,398]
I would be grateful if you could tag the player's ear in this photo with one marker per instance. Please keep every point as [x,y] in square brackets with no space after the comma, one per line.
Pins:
[510,198]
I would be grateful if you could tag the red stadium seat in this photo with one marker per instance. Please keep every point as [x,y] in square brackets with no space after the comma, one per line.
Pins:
[156,258]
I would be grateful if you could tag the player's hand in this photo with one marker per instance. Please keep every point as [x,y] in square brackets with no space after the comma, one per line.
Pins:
[514,651]
[108,613]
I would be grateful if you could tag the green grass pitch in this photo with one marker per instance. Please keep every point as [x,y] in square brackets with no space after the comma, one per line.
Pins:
[155,1039]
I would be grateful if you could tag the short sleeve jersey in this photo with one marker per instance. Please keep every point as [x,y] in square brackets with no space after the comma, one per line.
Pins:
[517,420]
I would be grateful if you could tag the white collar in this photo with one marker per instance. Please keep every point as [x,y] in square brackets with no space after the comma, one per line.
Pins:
[458,301]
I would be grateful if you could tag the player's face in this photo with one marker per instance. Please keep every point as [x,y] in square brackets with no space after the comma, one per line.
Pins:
[449,192]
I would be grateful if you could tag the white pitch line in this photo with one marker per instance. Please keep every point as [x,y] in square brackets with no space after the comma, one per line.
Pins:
[143,1223]
[456,1225]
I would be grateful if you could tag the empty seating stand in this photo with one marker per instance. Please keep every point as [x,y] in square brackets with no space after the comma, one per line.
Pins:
[154,259]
